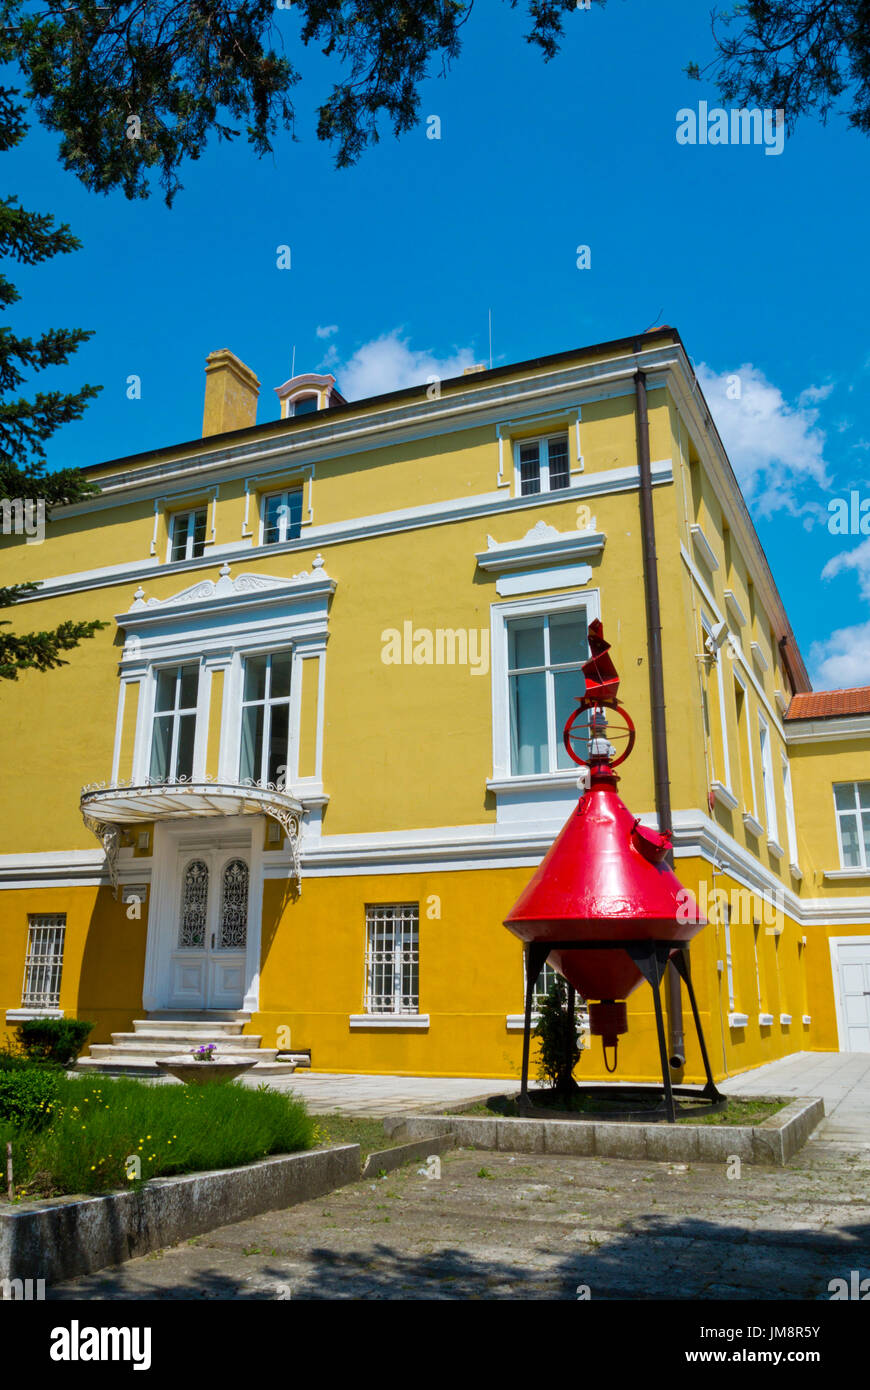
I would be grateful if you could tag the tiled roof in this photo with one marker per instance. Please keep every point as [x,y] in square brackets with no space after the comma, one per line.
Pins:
[827,704]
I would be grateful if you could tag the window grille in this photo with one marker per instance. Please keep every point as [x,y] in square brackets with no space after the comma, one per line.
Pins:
[392,958]
[44,962]
[234,907]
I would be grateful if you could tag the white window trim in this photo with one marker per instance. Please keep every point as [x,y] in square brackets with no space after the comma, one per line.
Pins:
[542,441]
[768,786]
[753,810]
[293,703]
[185,515]
[725,781]
[380,1017]
[148,696]
[790,824]
[500,615]
[856,870]
[285,493]
[302,476]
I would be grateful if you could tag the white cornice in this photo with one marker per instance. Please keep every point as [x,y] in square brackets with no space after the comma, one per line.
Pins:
[734,608]
[542,544]
[823,730]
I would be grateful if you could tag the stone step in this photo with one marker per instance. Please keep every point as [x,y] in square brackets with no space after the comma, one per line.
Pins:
[200,1015]
[133,1048]
[169,1038]
[229,1028]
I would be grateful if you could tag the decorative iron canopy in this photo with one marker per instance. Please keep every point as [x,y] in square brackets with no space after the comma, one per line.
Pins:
[107,807]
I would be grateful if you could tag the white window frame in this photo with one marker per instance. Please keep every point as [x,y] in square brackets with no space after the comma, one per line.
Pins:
[543,443]
[268,703]
[283,526]
[790,824]
[500,616]
[175,712]
[304,396]
[706,626]
[748,725]
[188,517]
[49,963]
[865,859]
[767,784]
[729,959]
[398,1010]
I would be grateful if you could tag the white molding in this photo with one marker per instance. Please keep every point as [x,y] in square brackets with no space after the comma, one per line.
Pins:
[731,602]
[806,1018]
[758,656]
[542,544]
[834,874]
[516,1023]
[823,730]
[703,546]
[754,826]
[796,871]
[765,1020]
[24,1015]
[605,483]
[542,581]
[736,1020]
[418,1023]
[775,849]
[781,702]
[723,795]
[785,1020]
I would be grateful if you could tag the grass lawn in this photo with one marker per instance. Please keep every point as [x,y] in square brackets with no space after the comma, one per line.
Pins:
[98,1134]
[354,1129]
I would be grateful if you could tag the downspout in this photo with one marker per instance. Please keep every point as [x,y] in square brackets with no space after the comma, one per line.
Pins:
[657,690]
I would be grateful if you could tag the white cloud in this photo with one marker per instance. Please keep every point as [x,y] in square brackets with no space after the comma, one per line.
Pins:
[774,447]
[857,559]
[389,363]
[843,659]
[327,330]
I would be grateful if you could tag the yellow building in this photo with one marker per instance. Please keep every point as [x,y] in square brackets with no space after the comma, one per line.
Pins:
[309,764]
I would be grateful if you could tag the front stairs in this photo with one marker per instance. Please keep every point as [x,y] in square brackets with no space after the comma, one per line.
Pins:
[167,1034]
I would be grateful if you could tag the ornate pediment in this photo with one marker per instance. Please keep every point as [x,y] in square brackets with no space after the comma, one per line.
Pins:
[207,590]
[541,545]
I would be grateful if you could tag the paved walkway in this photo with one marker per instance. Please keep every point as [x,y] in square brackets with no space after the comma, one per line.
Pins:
[842,1079]
[377,1096]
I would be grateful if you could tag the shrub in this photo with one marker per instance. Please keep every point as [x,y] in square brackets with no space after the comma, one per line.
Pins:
[559,1038]
[99,1124]
[28,1096]
[53,1039]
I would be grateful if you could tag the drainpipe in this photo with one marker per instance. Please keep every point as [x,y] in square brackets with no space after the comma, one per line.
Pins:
[657,690]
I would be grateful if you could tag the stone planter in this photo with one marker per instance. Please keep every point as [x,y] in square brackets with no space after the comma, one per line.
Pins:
[193,1073]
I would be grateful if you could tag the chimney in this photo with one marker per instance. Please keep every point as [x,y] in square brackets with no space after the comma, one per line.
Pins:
[231,392]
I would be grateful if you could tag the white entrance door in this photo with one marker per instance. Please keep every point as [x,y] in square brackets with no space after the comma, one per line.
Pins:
[207,969]
[853,960]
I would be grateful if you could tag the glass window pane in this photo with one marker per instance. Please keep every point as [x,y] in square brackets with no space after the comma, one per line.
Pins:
[526,645]
[849,836]
[568,639]
[179,536]
[305,406]
[844,796]
[189,686]
[164,697]
[280,687]
[255,678]
[528,699]
[865,828]
[278,743]
[557,458]
[271,518]
[251,742]
[530,468]
[161,745]
[864,795]
[568,687]
[184,756]
[199,524]
[291,524]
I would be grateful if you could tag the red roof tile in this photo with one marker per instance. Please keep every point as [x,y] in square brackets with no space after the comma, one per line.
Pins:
[827,704]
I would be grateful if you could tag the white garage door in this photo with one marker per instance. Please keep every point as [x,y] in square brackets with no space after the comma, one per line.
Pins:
[853,963]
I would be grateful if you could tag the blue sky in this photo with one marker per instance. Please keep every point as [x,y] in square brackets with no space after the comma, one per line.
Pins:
[759,260]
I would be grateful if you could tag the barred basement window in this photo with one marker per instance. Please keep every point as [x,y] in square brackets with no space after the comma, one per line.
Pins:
[44,963]
[392,958]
